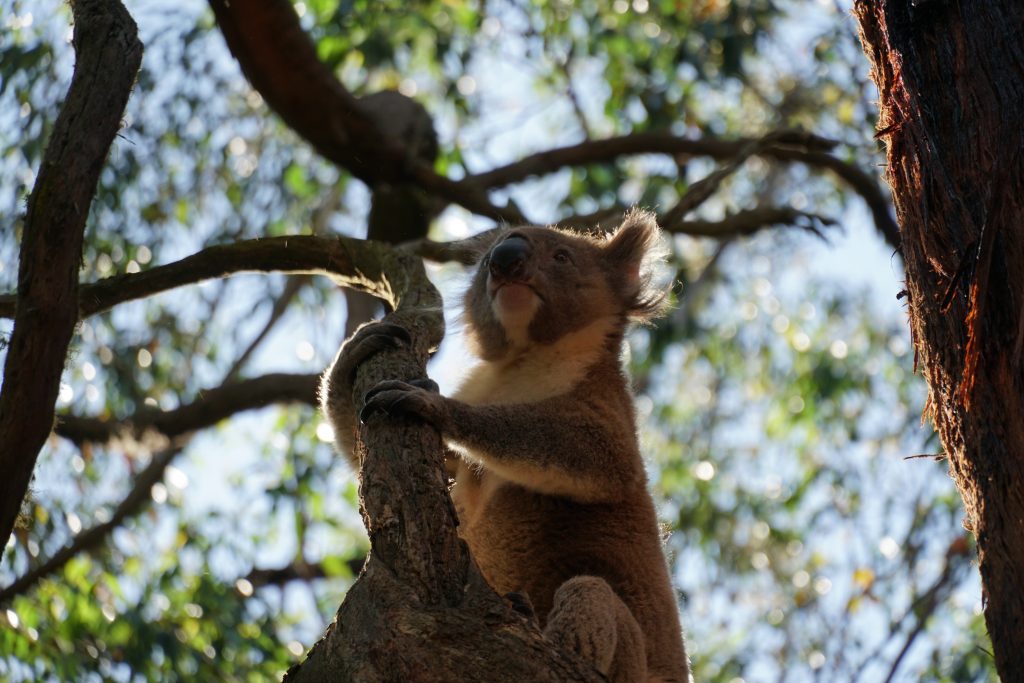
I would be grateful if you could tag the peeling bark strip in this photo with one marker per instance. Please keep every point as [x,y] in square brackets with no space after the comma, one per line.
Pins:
[951,83]
[107,58]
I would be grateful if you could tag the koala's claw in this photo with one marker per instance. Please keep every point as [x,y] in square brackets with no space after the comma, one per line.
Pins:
[394,397]
[426,384]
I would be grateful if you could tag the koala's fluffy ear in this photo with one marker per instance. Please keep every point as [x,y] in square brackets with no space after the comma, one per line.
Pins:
[633,253]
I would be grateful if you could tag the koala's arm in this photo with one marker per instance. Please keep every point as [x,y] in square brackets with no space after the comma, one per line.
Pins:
[579,446]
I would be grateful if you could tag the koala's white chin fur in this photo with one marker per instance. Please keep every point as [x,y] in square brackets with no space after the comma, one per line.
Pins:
[514,306]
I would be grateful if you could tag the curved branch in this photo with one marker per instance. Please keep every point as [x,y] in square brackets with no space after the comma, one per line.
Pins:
[107,58]
[351,262]
[92,537]
[879,202]
[800,147]
[646,142]
[280,61]
[750,221]
[212,406]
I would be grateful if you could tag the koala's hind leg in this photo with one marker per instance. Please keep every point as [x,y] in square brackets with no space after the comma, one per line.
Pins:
[588,618]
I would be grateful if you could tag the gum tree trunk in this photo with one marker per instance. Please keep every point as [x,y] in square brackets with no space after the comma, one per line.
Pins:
[951,83]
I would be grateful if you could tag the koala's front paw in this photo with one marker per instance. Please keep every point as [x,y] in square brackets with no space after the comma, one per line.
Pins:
[368,340]
[417,397]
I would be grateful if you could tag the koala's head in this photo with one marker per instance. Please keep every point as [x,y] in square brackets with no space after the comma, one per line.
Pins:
[534,285]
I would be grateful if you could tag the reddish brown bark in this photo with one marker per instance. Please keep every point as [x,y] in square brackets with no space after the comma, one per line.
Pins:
[951,83]
[107,58]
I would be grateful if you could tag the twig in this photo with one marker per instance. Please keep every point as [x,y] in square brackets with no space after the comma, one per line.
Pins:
[297,571]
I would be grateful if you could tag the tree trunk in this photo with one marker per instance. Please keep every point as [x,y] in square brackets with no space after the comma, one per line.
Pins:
[421,610]
[951,82]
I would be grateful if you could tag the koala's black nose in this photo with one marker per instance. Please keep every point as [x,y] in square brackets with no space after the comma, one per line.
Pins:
[508,259]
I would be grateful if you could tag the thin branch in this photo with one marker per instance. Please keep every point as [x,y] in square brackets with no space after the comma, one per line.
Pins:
[701,191]
[697,286]
[107,58]
[923,606]
[132,504]
[749,221]
[565,66]
[648,142]
[804,148]
[212,406]
[297,571]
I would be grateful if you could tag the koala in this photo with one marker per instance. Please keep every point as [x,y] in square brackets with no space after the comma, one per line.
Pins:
[549,484]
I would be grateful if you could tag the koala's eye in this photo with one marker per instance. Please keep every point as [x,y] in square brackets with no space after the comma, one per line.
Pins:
[562,256]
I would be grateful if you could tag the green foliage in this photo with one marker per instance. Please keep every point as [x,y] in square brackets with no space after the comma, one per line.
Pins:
[778,398]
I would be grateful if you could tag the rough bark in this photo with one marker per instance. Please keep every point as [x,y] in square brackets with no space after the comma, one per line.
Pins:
[420,610]
[951,83]
[108,54]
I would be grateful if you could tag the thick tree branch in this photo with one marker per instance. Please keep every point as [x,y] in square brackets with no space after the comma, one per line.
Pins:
[108,54]
[212,406]
[133,503]
[281,62]
[348,261]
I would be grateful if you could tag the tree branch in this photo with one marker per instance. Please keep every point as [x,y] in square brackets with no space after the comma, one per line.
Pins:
[280,61]
[350,262]
[137,497]
[296,571]
[789,146]
[108,54]
[212,406]
[749,221]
